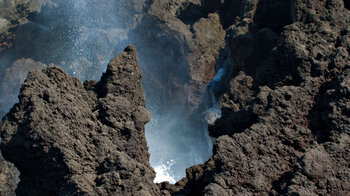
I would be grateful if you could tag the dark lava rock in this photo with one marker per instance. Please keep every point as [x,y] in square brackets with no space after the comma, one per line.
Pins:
[285,120]
[67,138]
[11,84]
[284,97]
[8,177]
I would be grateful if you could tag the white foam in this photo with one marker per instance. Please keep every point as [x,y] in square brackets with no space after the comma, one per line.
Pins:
[163,173]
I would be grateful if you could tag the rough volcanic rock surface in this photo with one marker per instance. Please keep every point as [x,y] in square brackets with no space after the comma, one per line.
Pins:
[9,89]
[285,121]
[67,138]
[13,78]
[282,83]
[8,177]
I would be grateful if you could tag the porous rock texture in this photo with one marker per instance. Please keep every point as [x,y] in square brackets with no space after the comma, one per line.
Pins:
[285,121]
[8,177]
[13,78]
[9,90]
[282,84]
[67,138]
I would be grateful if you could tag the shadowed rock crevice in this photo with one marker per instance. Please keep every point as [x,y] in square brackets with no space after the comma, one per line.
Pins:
[273,14]
[287,81]
[328,117]
[283,180]
[347,4]
[228,10]
[281,84]
[191,14]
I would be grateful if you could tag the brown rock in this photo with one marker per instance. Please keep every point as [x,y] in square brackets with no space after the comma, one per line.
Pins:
[282,83]
[14,77]
[81,140]
[8,177]
[12,81]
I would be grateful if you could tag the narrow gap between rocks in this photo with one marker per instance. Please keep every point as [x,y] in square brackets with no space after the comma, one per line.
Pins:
[83,36]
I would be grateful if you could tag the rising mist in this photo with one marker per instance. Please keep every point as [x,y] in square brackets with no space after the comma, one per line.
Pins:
[82,36]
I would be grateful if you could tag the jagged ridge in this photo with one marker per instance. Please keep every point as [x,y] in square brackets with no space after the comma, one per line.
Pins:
[67,138]
[284,98]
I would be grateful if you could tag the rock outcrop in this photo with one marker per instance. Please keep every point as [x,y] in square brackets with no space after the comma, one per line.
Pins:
[8,177]
[67,138]
[285,120]
[9,89]
[282,82]
[13,78]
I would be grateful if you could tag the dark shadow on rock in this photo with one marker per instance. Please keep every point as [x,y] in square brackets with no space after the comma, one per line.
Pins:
[273,14]
[227,9]
[347,4]
[191,14]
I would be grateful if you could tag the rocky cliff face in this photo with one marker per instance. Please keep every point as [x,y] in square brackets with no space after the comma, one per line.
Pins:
[12,81]
[8,177]
[67,138]
[13,78]
[282,82]
[285,120]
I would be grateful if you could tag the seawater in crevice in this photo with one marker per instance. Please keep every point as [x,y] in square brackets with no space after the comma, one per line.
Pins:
[82,36]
